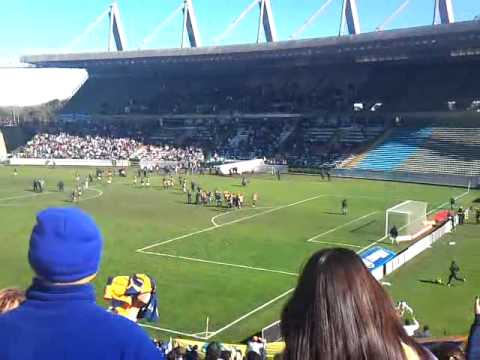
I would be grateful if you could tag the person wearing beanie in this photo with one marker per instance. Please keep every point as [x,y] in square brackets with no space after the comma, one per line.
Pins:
[59,319]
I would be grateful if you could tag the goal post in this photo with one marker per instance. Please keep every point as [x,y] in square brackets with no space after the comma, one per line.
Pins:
[410,219]
[272,332]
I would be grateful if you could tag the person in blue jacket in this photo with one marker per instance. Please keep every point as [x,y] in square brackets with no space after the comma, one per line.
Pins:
[59,319]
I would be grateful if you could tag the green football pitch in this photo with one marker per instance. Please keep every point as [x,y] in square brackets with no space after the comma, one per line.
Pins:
[237,267]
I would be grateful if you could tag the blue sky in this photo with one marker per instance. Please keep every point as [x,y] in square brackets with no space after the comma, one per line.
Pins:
[39,26]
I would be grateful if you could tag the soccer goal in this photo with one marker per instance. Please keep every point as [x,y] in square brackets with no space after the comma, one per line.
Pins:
[272,332]
[410,219]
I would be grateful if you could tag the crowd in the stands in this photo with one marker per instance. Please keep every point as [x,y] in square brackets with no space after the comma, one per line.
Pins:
[65,146]
[188,154]
[301,142]
[331,314]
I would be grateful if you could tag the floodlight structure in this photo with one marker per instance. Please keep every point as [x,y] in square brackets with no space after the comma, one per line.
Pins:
[150,37]
[116,32]
[443,12]
[190,25]
[311,19]
[3,148]
[394,15]
[265,21]
[350,17]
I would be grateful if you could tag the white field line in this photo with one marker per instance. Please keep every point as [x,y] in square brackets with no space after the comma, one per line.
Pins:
[218,263]
[334,243]
[290,290]
[99,194]
[174,331]
[212,220]
[268,303]
[428,213]
[231,222]
[26,196]
[312,239]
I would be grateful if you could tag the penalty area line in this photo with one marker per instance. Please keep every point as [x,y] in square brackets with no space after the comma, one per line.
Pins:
[428,213]
[212,220]
[334,243]
[231,222]
[292,289]
[312,239]
[254,268]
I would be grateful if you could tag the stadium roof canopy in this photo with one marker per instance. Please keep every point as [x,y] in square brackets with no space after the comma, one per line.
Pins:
[456,41]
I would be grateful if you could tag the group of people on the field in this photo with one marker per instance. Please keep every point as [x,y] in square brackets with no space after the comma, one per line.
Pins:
[198,196]
[81,185]
[168,182]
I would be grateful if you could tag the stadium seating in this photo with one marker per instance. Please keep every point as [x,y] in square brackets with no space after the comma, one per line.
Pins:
[395,150]
[435,150]
[453,151]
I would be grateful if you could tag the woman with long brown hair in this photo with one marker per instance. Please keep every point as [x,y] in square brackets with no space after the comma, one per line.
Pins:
[339,311]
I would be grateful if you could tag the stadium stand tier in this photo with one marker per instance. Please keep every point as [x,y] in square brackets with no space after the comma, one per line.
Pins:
[314,103]
[436,150]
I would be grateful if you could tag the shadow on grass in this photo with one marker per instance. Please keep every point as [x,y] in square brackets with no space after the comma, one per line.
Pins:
[363,226]
[429,281]
[220,210]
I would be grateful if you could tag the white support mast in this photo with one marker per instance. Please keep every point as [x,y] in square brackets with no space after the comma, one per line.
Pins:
[116,34]
[443,12]
[190,25]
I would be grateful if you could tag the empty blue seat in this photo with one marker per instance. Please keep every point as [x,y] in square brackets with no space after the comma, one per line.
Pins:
[402,144]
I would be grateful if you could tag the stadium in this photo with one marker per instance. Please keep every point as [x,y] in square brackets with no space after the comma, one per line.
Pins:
[219,171]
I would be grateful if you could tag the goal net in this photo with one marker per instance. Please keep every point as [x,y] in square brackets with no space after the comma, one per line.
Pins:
[410,219]
[272,332]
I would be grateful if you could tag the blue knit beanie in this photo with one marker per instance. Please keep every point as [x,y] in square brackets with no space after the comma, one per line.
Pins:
[65,245]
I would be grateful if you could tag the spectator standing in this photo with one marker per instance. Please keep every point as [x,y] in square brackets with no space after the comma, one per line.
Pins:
[59,319]
[340,311]
[213,351]
[411,326]
[257,345]
[461,216]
